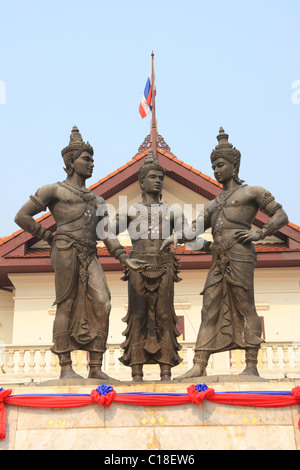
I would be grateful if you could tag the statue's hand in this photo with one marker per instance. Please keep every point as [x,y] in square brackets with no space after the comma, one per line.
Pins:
[49,238]
[246,236]
[136,264]
[171,240]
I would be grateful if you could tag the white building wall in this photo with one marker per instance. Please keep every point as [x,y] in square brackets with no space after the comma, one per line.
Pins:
[33,298]
[6,316]
[26,316]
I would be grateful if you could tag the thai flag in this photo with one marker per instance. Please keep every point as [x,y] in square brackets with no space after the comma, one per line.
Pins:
[146,102]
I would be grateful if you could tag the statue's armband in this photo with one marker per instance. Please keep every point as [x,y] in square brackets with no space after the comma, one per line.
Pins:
[39,204]
[268,204]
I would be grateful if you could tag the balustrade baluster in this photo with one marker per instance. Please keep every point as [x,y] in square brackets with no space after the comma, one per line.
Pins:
[286,358]
[264,359]
[296,348]
[185,361]
[10,362]
[53,362]
[111,358]
[233,362]
[243,359]
[275,358]
[31,364]
[210,364]
[21,362]
[42,364]
[84,364]
[74,355]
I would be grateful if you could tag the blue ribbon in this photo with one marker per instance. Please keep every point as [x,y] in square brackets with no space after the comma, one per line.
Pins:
[104,389]
[201,387]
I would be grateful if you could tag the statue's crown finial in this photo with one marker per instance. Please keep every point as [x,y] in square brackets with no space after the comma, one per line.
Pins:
[224,149]
[223,137]
[75,148]
[150,157]
[75,136]
[150,163]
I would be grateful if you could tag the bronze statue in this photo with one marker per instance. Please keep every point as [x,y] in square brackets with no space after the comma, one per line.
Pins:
[151,333]
[82,294]
[229,319]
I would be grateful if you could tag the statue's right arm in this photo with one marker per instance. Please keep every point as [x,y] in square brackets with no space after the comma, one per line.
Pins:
[37,203]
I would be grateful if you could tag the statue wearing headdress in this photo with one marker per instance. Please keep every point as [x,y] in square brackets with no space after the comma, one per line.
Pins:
[229,319]
[82,294]
[151,333]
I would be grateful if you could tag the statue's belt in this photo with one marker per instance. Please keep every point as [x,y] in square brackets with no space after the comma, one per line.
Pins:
[158,262]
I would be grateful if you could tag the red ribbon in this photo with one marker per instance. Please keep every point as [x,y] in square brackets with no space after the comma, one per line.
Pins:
[296,393]
[198,397]
[193,396]
[103,399]
[3,394]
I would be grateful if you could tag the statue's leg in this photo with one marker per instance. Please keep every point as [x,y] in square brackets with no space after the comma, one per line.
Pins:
[61,346]
[95,367]
[98,311]
[137,372]
[199,368]
[165,372]
[64,265]
[251,362]
[66,370]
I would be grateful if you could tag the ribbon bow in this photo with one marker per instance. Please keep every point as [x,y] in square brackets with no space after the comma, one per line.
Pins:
[3,394]
[103,395]
[198,392]
[296,393]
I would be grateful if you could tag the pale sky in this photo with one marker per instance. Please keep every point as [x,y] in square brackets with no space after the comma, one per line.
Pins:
[233,64]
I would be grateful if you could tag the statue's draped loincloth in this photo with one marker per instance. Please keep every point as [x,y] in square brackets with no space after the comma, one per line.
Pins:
[229,318]
[79,279]
[151,333]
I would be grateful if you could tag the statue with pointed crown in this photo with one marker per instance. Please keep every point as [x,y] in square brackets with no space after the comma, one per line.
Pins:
[82,295]
[151,333]
[229,319]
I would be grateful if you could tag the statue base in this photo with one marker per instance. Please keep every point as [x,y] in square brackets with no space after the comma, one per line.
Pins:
[212,379]
[178,428]
[209,379]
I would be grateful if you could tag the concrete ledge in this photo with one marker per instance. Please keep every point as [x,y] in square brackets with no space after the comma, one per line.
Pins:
[131,427]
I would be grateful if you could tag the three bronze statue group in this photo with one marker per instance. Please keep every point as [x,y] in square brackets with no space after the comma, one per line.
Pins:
[228,318]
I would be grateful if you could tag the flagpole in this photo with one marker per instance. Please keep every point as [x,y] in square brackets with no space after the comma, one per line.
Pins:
[153,130]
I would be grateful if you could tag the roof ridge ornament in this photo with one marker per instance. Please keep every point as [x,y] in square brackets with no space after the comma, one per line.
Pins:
[146,145]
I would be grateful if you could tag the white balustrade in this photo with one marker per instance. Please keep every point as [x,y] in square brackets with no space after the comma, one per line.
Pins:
[35,363]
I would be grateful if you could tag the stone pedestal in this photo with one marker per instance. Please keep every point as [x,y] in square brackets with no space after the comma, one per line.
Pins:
[174,428]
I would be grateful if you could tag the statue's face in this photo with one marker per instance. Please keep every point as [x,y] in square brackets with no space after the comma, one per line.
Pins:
[223,170]
[153,182]
[84,165]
